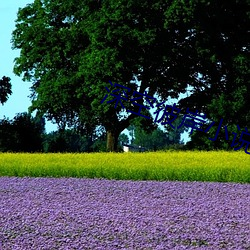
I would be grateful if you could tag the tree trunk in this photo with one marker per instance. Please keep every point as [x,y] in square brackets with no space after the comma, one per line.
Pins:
[112,141]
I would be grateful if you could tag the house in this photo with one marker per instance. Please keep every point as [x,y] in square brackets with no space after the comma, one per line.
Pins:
[133,148]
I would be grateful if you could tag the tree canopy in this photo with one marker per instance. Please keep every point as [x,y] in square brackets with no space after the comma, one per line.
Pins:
[70,50]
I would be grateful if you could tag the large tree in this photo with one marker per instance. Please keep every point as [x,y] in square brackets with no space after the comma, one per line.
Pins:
[71,49]
[219,33]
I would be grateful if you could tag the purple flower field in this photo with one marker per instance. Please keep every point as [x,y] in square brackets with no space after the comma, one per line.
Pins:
[68,213]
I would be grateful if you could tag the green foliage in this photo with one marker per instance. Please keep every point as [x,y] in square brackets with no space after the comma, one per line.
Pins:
[156,140]
[152,137]
[222,57]
[99,145]
[70,49]
[5,89]
[6,135]
[200,140]
[61,141]
[22,134]
[123,139]
[174,134]
[70,140]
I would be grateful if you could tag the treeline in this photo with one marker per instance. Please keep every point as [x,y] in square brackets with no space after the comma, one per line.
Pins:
[25,133]
[22,134]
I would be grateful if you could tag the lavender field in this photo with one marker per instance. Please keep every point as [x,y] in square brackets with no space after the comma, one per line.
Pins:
[70,213]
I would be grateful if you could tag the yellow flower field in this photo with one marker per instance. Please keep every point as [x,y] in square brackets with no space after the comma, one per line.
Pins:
[219,166]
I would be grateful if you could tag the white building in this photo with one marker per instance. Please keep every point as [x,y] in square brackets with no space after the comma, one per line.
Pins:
[133,148]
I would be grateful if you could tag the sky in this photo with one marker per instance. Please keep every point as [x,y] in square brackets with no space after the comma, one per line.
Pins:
[19,101]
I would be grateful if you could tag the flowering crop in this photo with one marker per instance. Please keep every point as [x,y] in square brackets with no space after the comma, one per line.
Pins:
[70,213]
[215,166]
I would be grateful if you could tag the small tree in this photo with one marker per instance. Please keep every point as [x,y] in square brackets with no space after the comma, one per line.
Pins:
[5,89]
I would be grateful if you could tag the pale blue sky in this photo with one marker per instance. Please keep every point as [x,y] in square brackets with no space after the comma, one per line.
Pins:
[19,101]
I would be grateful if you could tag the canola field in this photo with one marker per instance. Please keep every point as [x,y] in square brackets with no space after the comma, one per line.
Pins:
[213,166]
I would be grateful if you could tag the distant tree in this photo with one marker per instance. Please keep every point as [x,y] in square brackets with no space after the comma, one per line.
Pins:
[146,133]
[174,133]
[67,140]
[131,130]
[5,89]
[55,142]
[22,134]
[27,133]
[6,135]
[123,139]
[99,144]
[155,140]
